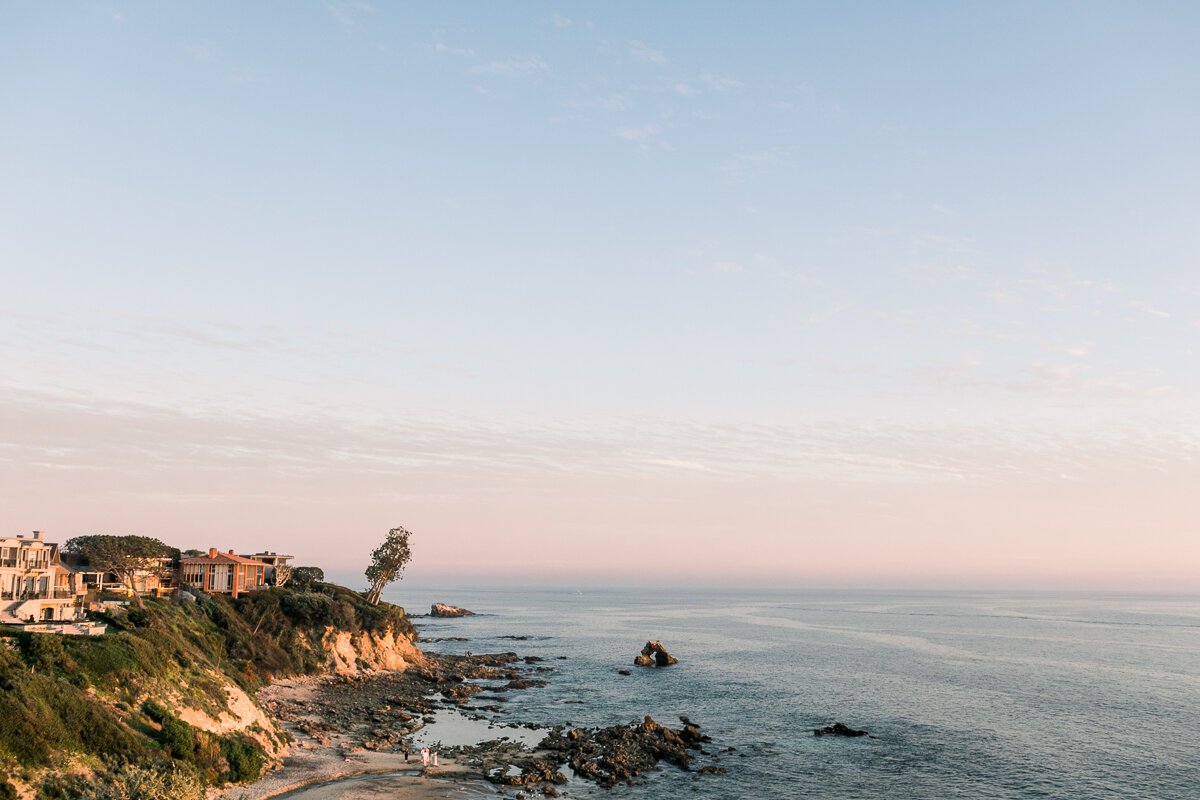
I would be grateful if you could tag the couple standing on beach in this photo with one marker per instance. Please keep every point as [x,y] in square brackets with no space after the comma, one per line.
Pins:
[428,757]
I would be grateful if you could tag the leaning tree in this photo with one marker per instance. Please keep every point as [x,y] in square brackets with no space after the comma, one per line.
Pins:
[127,557]
[387,562]
[283,573]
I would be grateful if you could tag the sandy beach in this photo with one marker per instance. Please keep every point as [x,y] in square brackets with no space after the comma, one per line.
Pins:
[348,732]
[313,761]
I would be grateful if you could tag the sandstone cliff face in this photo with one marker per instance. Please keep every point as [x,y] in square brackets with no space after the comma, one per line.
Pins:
[241,715]
[347,653]
[350,653]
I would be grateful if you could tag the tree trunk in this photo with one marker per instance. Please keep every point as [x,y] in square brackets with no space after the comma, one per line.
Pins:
[137,598]
[373,594]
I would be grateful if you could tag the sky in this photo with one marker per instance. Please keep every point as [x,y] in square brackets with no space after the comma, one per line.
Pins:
[775,294]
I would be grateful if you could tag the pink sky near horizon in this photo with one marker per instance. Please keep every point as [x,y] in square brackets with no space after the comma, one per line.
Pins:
[866,510]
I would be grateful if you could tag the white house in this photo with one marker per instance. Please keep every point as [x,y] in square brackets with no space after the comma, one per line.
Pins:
[34,584]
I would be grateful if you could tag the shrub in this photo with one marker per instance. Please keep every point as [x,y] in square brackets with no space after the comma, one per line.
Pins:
[245,756]
[208,758]
[156,711]
[129,782]
[179,738]
[306,607]
[45,651]
[40,714]
[139,618]
[63,787]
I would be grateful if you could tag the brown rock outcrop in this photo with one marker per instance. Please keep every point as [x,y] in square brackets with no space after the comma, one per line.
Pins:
[443,610]
[654,654]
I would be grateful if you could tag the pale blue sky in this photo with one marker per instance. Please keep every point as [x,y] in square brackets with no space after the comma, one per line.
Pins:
[538,271]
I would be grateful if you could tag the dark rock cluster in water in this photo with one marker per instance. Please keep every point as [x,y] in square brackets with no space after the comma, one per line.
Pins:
[838,729]
[620,753]
[654,654]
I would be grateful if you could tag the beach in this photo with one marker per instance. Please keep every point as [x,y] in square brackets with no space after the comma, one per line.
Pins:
[349,733]
[336,754]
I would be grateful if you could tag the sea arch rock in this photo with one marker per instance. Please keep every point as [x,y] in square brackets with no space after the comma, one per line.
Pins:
[655,655]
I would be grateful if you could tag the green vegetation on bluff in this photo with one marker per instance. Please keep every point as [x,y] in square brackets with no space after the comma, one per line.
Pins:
[73,705]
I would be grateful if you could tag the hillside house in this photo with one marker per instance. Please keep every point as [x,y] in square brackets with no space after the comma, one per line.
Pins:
[34,584]
[223,573]
[273,561]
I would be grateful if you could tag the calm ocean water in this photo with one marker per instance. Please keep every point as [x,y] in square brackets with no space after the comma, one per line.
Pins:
[972,695]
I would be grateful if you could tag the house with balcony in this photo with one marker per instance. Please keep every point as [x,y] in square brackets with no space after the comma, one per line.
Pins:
[273,561]
[35,586]
[223,573]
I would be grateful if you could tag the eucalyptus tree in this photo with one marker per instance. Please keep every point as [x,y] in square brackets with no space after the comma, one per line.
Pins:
[387,562]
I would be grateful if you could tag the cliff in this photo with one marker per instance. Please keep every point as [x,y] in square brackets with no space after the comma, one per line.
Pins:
[165,700]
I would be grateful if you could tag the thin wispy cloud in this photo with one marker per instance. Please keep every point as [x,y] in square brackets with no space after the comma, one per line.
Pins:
[44,429]
[602,101]
[1150,310]
[744,166]
[515,67]
[1004,297]
[451,50]
[640,51]
[720,83]
[348,13]
[200,51]
[675,463]
[249,76]
[639,133]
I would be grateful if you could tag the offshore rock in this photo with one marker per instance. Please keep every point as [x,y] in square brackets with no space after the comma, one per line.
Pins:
[838,729]
[654,654]
[443,610]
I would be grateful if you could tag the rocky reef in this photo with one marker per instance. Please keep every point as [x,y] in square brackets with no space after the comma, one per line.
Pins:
[620,753]
[839,729]
[605,756]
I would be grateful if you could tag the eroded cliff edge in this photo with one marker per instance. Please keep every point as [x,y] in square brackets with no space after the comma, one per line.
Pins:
[167,697]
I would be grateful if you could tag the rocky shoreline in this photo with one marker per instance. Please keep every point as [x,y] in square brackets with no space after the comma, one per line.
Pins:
[373,723]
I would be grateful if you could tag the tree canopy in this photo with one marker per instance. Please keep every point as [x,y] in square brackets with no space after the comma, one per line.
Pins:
[127,557]
[303,578]
[387,562]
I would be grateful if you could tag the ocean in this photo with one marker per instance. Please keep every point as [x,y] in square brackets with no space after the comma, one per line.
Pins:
[970,695]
